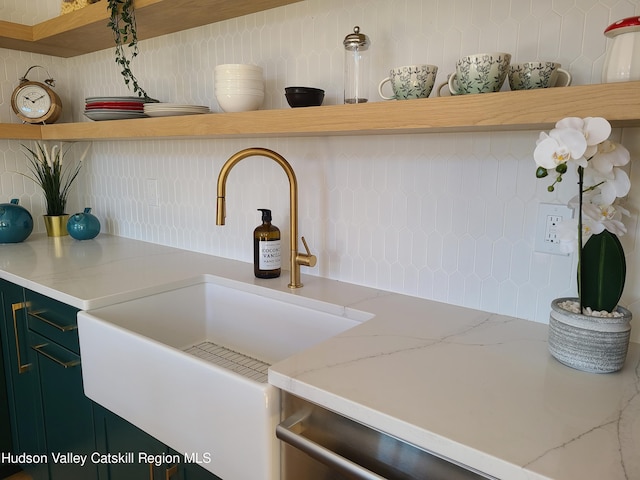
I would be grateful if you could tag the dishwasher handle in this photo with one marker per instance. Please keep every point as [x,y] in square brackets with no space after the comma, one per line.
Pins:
[285,432]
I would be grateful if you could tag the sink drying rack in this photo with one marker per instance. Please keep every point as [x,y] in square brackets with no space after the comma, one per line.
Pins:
[237,362]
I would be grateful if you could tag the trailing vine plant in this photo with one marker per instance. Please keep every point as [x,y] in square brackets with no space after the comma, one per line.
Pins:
[122,22]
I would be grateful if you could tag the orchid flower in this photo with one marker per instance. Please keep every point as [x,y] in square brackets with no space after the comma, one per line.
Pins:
[568,230]
[607,217]
[604,176]
[558,147]
[606,190]
[601,181]
[594,129]
[609,154]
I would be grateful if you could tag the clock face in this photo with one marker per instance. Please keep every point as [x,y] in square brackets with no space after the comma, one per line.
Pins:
[33,101]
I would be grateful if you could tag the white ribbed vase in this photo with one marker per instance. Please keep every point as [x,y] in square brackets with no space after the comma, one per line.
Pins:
[590,344]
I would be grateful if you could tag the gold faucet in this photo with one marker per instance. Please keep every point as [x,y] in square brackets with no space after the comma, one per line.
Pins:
[297,258]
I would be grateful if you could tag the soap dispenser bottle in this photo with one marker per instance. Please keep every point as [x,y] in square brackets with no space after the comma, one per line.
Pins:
[266,248]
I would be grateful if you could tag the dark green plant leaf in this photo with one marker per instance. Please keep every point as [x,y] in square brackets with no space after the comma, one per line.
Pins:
[603,272]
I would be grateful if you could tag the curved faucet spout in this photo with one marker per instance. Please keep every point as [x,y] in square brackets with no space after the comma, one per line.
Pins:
[296,258]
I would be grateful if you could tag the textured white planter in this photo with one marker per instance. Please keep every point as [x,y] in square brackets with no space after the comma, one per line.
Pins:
[590,344]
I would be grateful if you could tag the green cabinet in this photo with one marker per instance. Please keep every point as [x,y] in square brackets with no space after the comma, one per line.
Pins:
[66,412]
[50,418]
[122,442]
[68,416]
[6,444]
[116,438]
[23,383]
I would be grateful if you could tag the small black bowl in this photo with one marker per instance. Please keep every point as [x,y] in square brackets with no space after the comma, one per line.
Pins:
[304,96]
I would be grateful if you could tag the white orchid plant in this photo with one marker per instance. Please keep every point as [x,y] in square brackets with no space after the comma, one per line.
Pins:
[584,144]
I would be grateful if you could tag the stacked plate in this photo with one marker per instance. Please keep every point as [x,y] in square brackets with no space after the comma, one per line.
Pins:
[172,109]
[239,87]
[114,108]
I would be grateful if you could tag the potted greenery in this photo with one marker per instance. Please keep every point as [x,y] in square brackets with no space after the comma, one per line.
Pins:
[55,179]
[592,332]
[122,22]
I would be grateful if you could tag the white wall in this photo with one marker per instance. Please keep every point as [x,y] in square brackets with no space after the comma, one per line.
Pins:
[449,217]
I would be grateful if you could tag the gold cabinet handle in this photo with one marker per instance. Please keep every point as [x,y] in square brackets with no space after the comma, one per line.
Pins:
[62,363]
[15,307]
[171,471]
[62,328]
[168,473]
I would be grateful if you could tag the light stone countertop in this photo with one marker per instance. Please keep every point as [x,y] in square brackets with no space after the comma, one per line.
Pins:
[474,387]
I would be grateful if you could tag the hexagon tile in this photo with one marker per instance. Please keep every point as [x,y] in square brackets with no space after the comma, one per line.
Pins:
[449,217]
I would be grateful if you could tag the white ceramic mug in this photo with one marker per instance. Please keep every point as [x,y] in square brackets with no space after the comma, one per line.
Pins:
[530,75]
[410,81]
[479,73]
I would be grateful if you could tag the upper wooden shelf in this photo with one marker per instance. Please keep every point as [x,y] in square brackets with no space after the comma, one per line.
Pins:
[85,30]
[17,131]
[522,110]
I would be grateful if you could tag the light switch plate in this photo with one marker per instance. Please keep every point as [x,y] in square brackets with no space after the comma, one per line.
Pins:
[151,191]
[550,215]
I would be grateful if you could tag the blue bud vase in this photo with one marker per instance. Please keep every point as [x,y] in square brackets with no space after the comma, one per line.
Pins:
[83,226]
[16,223]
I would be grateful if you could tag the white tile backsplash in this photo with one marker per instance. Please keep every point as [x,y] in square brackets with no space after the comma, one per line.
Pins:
[449,217]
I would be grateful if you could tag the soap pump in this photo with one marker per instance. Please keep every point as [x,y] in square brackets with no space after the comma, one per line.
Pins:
[266,248]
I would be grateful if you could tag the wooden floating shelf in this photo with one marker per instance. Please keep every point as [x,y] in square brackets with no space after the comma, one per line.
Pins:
[520,110]
[85,30]
[18,131]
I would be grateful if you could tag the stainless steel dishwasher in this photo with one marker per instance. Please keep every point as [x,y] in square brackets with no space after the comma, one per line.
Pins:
[322,445]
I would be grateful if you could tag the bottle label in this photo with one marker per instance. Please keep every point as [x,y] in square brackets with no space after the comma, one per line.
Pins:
[269,255]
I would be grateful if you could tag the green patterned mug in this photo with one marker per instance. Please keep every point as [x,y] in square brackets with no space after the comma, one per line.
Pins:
[480,73]
[530,75]
[410,81]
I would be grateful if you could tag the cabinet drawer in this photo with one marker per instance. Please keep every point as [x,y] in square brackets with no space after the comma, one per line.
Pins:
[67,413]
[52,319]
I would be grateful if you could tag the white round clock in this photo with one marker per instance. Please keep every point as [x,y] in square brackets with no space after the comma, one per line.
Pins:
[35,102]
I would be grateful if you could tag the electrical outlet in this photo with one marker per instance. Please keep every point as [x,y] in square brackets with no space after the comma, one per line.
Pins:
[551,229]
[151,188]
[549,217]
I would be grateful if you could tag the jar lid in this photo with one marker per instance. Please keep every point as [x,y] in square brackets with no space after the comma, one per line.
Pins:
[626,25]
[356,40]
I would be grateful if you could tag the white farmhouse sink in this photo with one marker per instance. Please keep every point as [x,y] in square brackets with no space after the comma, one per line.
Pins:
[148,361]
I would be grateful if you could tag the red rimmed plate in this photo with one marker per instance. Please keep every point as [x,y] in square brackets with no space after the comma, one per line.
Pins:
[114,106]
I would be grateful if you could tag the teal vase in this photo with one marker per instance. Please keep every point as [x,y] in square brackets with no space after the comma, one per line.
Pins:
[16,223]
[83,226]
